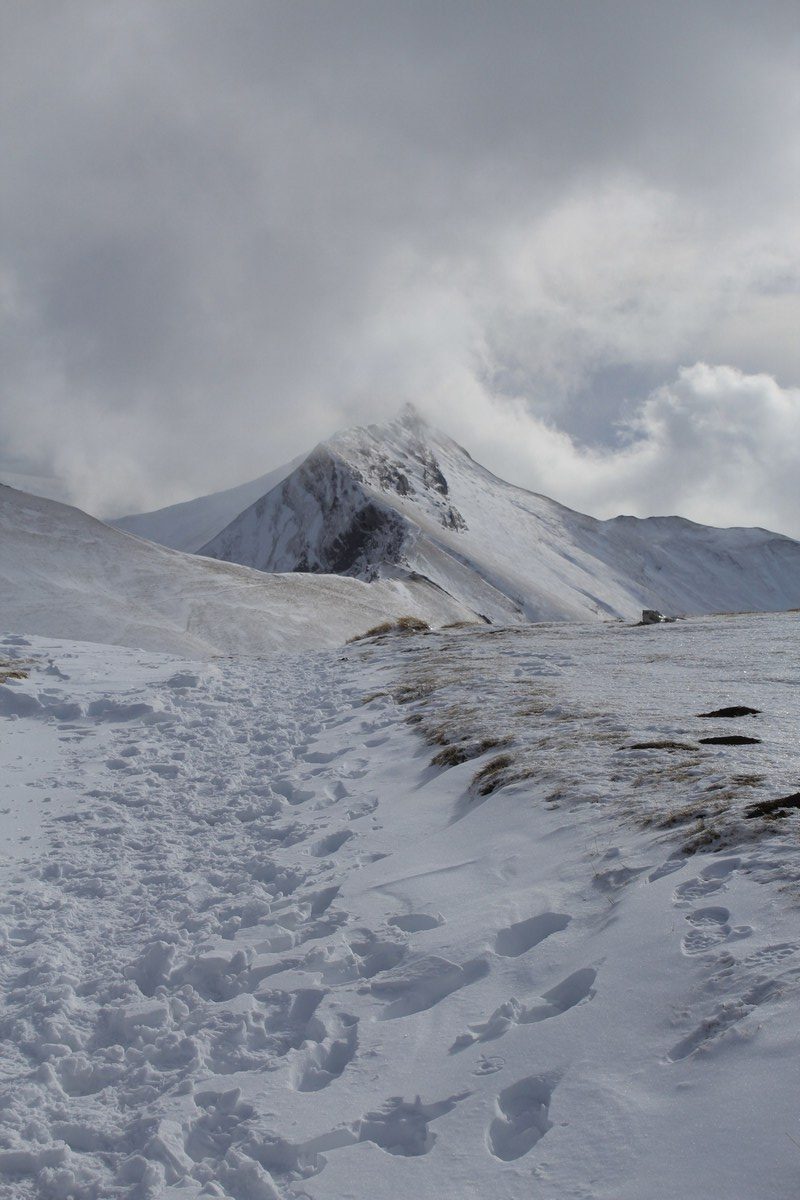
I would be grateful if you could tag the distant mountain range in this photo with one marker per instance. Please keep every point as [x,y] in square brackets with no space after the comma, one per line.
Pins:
[402,500]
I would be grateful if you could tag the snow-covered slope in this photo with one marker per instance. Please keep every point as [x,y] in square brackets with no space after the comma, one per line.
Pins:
[256,946]
[190,525]
[388,500]
[65,574]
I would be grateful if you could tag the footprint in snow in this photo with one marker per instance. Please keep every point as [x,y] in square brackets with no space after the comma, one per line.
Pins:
[710,928]
[725,1017]
[425,982]
[522,1117]
[770,955]
[711,879]
[517,939]
[325,1060]
[331,843]
[416,922]
[489,1064]
[572,991]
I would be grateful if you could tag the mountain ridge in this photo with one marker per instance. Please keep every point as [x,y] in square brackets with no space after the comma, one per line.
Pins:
[402,499]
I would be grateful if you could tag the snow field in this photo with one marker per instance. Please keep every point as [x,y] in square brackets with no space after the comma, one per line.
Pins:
[256,946]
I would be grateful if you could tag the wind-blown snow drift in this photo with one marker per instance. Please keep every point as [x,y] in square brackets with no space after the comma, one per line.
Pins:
[65,574]
[402,499]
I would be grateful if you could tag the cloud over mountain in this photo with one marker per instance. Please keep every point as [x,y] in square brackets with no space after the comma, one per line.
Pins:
[224,228]
[715,445]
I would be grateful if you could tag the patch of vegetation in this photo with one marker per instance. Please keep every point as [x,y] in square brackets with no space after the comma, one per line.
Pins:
[453,756]
[703,837]
[437,736]
[11,670]
[401,625]
[493,775]
[732,785]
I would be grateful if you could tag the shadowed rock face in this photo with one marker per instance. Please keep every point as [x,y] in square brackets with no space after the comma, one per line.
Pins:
[370,532]
[322,519]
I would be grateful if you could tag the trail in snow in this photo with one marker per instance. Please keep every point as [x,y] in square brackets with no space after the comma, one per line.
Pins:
[256,946]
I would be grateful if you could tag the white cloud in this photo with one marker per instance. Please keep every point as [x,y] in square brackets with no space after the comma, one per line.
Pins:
[716,445]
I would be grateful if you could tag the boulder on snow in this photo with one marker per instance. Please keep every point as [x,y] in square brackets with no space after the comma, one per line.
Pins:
[651,616]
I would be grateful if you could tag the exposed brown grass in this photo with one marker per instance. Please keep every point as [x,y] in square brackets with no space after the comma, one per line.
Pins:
[492,775]
[454,755]
[11,670]
[401,625]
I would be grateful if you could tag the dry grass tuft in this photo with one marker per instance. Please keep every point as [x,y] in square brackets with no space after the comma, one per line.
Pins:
[11,670]
[493,775]
[451,756]
[401,625]
[703,837]
[454,755]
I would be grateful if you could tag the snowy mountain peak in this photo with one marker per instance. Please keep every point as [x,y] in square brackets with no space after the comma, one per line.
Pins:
[404,459]
[403,500]
[410,416]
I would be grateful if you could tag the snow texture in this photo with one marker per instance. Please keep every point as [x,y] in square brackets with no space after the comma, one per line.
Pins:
[256,946]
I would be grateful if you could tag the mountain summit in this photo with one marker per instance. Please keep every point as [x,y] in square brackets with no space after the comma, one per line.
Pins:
[404,500]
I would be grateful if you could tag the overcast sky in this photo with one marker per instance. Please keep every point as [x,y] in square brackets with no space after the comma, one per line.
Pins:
[568,231]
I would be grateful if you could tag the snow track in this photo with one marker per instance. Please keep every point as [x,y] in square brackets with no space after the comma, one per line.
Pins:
[256,947]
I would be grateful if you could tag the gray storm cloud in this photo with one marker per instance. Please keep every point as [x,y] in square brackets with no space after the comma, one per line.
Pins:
[229,229]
